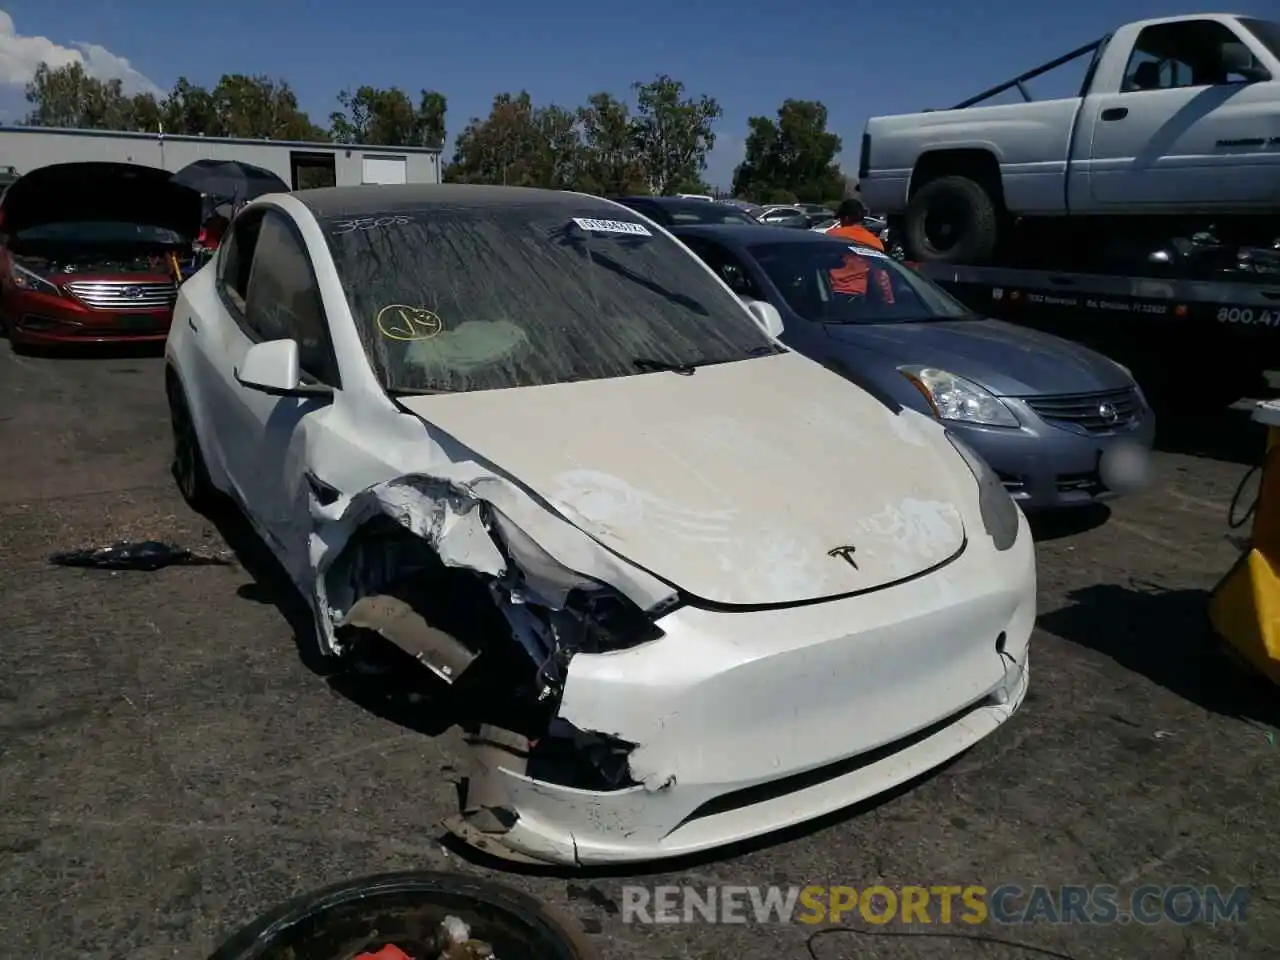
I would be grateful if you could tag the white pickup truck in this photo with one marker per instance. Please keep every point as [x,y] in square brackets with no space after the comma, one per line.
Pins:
[1177,116]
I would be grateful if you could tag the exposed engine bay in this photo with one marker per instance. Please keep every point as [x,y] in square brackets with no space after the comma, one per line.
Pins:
[66,261]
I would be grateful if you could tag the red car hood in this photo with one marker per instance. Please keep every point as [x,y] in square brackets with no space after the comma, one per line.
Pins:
[82,192]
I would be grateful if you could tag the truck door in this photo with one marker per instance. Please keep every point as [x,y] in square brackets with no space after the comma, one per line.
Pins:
[1185,131]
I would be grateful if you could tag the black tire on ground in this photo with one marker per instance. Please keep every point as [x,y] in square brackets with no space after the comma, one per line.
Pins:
[951,220]
[188,467]
[339,922]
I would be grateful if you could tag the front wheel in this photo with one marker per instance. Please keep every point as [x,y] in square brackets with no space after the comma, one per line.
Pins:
[188,468]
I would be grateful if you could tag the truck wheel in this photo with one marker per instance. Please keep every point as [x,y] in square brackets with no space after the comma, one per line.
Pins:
[951,220]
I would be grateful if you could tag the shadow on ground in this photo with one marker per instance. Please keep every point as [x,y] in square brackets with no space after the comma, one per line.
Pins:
[1165,635]
[90,351]
[1226,435]
[1068,523]
[384,680]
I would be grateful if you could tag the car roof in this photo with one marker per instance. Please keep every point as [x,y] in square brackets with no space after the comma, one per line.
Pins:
[743,233]
[390,198]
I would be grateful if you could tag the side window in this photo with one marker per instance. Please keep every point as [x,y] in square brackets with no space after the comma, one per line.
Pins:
[236,257]
[1188,53]
[731,270]
[283,301]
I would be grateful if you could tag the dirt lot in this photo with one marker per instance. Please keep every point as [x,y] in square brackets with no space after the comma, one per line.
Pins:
[169,768]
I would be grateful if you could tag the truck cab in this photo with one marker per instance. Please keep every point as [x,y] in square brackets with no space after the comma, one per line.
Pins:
[1177,117]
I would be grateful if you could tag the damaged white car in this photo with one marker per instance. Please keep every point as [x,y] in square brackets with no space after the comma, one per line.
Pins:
[497,425]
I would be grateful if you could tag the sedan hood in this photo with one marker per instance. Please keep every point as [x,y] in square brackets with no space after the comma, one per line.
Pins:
[85,192]
[1008,360]
[741,484]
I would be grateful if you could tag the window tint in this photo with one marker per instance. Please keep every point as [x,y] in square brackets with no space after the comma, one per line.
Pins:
[834,282]
[236,257]
[730,269]
[1267,31]
[283,302]
[1188,53]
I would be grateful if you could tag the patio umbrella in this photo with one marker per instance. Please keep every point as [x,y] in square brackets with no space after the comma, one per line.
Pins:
[229,181]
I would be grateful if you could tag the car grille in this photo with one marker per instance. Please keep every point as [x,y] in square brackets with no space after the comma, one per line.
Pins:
[123,295]
[1092,412]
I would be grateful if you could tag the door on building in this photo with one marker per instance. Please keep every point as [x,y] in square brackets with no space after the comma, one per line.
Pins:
[385,170]
[311,170]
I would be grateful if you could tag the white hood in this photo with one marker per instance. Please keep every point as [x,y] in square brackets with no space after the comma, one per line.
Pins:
[733,483]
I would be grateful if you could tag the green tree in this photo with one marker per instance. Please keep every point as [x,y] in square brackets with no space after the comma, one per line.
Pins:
[389,118]
[610,164]
[259,108]
[68,97]
[792,157]
[519,145]
[189,109]
[672,134]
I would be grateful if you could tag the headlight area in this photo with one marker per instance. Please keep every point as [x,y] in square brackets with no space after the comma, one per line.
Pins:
[1000,515]
[29,280]
[954,398]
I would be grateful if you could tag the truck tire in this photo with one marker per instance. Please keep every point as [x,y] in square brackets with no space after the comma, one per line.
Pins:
[951,220]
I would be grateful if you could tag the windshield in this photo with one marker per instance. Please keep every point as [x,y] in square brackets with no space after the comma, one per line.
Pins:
[695,211]
[99,232]
[1267,31]
[459,298]
[832,282]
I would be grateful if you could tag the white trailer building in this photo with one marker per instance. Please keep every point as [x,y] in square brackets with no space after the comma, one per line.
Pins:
[296,163]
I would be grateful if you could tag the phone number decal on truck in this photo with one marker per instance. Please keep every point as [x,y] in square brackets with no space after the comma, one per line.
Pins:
[1262,318]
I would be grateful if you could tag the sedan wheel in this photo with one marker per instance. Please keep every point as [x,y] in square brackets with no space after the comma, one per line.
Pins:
[188,462]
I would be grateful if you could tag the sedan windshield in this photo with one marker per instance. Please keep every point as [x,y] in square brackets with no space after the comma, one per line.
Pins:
[458,298]
[832,282]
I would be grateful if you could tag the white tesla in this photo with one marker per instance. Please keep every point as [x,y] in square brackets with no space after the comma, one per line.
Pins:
[732,590]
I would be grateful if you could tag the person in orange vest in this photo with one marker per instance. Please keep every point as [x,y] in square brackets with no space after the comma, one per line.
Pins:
[851,213]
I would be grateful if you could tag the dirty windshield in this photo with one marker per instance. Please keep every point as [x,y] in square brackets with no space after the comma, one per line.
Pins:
[458,298]
[1267,31]
[832,282]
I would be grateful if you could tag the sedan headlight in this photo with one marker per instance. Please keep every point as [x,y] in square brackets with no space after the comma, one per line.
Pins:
[1000,515]
[955,398]
[25,279]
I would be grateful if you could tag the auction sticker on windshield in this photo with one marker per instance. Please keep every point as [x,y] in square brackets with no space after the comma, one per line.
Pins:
[613,226]
[869,252]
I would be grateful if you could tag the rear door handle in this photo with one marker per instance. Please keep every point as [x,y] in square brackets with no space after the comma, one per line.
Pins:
[1115,113]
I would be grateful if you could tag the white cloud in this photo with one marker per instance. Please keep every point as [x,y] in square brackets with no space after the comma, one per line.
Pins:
[20,55]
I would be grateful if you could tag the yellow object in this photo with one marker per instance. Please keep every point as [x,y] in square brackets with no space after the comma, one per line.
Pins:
[1245,606]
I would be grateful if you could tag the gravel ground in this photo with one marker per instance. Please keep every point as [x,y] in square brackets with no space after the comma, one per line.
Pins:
[169,768]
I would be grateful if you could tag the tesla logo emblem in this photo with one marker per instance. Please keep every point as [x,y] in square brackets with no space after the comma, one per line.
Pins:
[133,293]
[1108,412]
[845,554]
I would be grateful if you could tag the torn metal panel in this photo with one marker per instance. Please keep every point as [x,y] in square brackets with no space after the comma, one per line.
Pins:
[409,630]
[474,522]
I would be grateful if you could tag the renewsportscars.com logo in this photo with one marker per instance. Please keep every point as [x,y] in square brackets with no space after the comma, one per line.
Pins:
[973,904]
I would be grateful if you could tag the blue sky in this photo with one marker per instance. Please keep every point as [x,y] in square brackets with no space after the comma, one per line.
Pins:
[859,58]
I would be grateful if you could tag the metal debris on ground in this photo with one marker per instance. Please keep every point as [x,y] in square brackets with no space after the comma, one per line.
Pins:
[146,555]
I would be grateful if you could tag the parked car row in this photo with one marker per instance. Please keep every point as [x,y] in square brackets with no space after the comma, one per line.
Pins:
[705,484]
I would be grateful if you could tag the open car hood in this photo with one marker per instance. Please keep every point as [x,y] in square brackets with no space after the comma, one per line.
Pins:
[83,192]
[769,481]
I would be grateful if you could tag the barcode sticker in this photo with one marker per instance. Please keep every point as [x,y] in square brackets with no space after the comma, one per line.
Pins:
[613,226]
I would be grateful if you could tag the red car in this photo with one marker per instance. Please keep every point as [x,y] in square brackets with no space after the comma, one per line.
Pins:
[91,253]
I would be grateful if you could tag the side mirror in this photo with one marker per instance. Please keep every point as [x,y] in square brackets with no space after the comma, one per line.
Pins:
[272,368]
[767,315]
[1239,59]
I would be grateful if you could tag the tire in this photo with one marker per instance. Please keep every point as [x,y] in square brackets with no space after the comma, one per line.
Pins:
[339,922]
[956,209]
[188,466]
